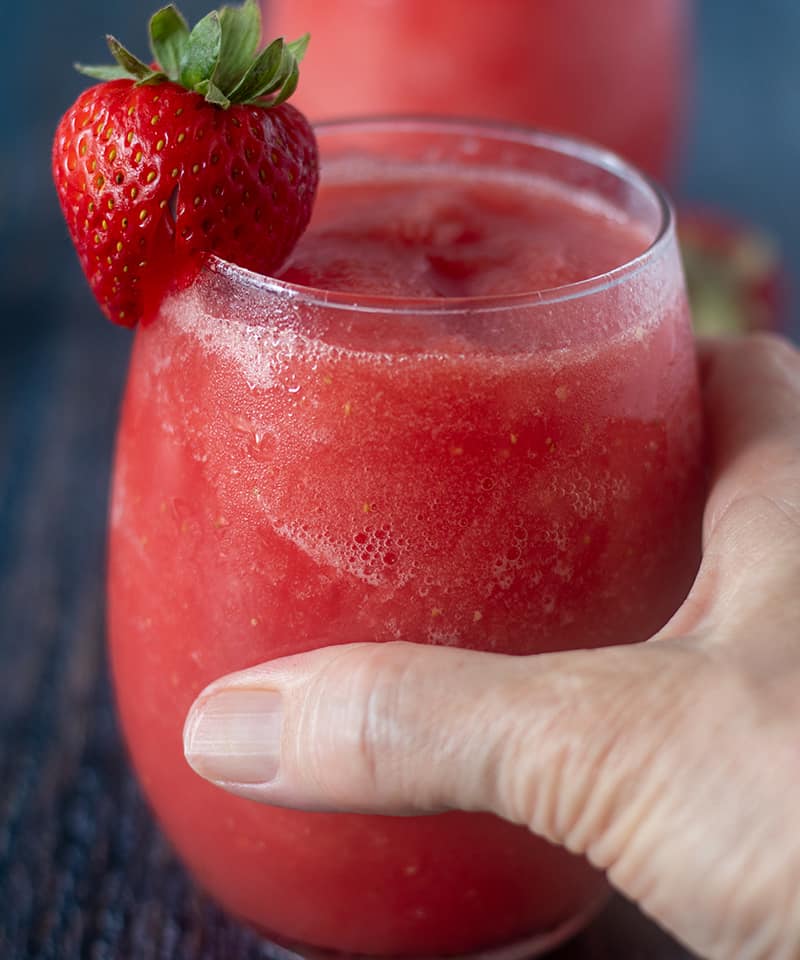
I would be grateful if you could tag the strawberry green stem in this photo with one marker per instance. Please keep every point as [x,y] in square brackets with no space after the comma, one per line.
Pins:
[219,58]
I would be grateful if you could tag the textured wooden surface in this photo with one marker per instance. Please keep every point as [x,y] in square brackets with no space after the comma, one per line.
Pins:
[84,872]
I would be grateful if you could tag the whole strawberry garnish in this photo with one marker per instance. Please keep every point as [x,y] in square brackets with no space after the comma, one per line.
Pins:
[195,154]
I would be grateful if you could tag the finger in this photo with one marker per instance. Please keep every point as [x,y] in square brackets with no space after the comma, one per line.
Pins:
[752,401]
[752,520]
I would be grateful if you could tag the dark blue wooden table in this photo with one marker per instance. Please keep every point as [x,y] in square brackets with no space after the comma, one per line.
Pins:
[84,873]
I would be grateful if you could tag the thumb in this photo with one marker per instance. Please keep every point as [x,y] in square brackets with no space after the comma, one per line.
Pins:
[403,728]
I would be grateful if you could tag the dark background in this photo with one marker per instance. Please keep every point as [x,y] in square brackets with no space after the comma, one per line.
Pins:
[83,872]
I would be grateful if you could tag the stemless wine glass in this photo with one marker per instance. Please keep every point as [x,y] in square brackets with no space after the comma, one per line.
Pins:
[299,467]
[615,71]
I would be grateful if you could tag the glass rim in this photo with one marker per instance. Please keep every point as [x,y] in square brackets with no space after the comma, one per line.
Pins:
[565,144]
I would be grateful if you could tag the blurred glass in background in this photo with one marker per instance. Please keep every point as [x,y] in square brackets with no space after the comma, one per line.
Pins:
[565,65]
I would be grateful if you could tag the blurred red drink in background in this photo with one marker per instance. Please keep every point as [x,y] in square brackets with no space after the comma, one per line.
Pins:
[612,71]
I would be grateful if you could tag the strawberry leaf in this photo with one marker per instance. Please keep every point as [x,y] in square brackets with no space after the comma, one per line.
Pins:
[289,85]
[127,67]
[241,31]
[212,93]
[155,76]
[287,66]
[262,73]
[133,65]
[298,47]
[103,71]
[169,35]
[201,56]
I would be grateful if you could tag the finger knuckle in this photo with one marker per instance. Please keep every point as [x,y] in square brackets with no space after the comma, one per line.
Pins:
[774,351]
[382,686]
[378,684]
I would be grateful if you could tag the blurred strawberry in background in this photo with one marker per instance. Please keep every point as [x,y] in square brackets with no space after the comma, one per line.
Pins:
[737,280]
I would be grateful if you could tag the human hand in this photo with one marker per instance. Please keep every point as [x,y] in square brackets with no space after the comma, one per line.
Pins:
[674,765]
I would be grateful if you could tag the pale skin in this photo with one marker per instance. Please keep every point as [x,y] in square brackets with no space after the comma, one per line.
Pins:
[674,764]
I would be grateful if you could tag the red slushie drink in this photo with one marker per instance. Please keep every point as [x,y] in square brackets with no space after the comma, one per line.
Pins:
[466,413]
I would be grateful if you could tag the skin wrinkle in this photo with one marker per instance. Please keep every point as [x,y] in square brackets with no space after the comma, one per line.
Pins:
[377,734]
[339,758]
[587,779]
[513,781]
[310,742]
[528,782]
[789,508]
[615,816]
[386,713]
[479,762]
[749,834]
[765,927]
[490,705]
[446,746]
[618,798]
[629,823]
[593,789]
[393,741]
[680,813]
[304,709]
[775,569]
[580,773]
[749,929]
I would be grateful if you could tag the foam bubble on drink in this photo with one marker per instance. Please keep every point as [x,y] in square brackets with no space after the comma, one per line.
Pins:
[367,555]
